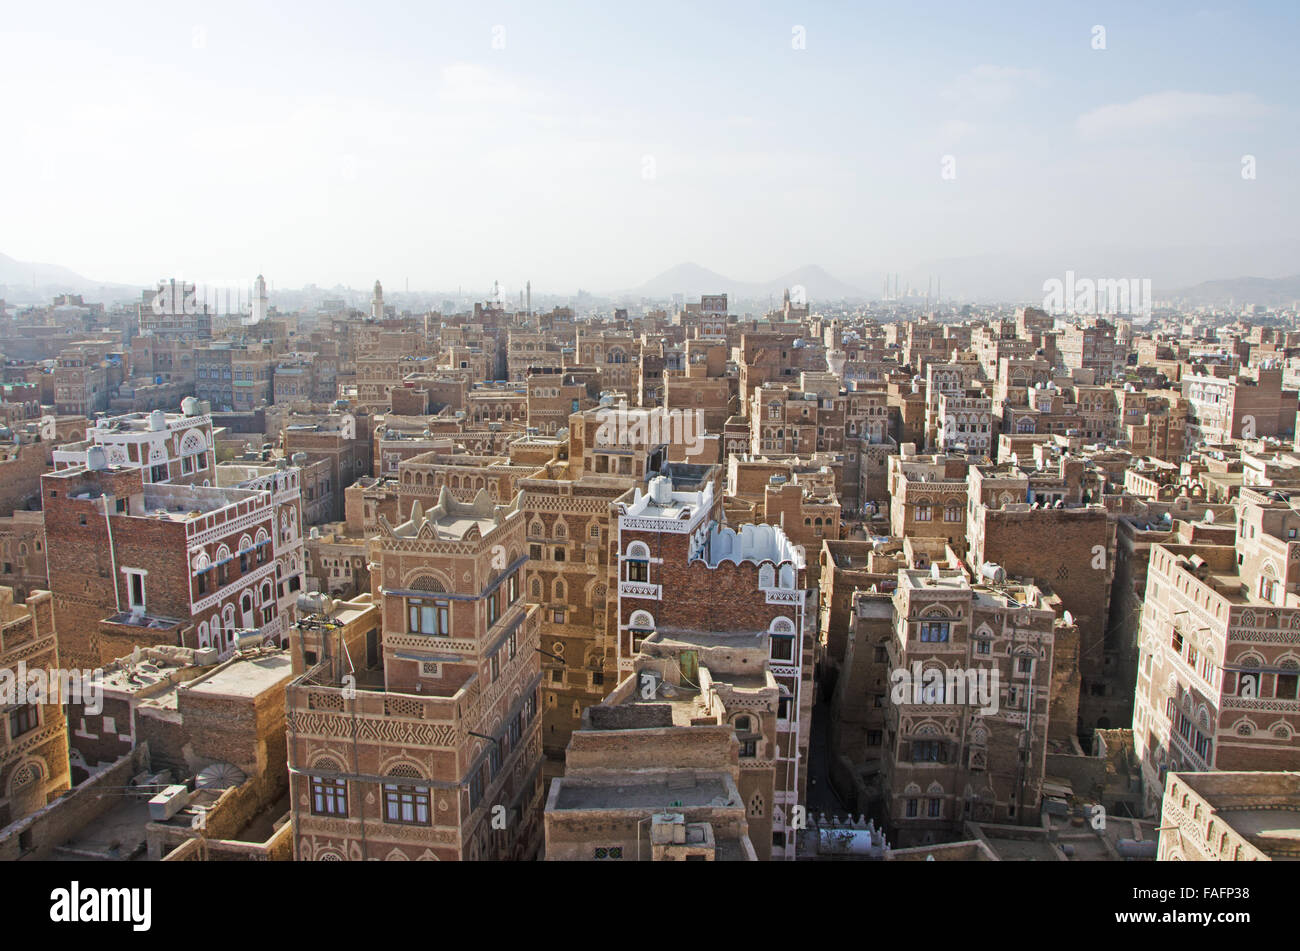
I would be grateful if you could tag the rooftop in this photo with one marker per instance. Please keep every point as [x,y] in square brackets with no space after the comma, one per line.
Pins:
[671,789]
[244,677]
[452,519]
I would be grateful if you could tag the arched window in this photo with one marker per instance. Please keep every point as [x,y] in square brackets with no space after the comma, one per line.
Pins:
[641,625]
[638,562]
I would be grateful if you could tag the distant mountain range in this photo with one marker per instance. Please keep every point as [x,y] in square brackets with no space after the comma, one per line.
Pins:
[693,280]
[26,282]
[987,277]
[1269,291]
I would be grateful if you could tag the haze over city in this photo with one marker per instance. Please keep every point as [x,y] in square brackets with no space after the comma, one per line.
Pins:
[813,432]
[593,146]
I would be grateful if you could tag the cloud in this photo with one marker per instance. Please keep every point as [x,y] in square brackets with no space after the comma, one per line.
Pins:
[1165,110]
[989,85]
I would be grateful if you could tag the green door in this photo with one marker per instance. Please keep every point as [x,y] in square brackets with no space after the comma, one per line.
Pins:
[690,662]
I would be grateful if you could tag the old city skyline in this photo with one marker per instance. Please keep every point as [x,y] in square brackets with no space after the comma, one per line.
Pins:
[819,433]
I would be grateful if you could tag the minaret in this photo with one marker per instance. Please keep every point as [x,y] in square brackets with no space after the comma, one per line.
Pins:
[377,302]
[529,286]
[259,299]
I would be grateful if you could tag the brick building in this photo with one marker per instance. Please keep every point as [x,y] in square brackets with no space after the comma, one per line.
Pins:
[133,562]
[33,736]
[700,604]
[1217,680]
[421,739]
[968,741]
[170,448]
[1230,817]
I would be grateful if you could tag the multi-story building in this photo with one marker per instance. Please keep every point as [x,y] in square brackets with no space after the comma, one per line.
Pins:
[234,377]
[529,352]
[723,619]
[639,790]
[965,424]
[33,734]
[134,562]
[928,496]
[342,440]
[82,380]
[422,739]
[1218,671]
[1090,345]
[967,723]
[555,395]
[569,571]
[1229,817]
[1012,510]
[174,311]
[22,552]
[170,448]
[1251,405]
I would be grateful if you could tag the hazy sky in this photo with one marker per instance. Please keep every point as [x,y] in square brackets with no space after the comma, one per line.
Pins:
[605,142]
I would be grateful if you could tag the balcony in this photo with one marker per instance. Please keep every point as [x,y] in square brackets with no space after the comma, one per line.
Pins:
[640,589]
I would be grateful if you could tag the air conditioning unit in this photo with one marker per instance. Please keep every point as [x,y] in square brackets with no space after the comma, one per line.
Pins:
[168,802]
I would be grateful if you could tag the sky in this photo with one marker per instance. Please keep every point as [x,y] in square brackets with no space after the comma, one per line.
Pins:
[593,145]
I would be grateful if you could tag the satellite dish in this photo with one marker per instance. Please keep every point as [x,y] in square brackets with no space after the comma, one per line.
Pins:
[219,776]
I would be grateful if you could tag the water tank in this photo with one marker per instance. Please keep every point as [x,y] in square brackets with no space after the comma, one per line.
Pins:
[299,459]
[249,641]
[157,420]
[661,490]
[190,406]
[992,572]
[96,459]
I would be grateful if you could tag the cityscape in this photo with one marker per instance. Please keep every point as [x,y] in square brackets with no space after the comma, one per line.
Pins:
[424,540]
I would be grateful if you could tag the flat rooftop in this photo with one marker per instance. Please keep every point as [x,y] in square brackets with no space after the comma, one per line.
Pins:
[245,677]
[682,789]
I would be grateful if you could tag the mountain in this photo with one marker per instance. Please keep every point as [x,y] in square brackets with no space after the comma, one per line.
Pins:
[692,280]
[1019,276]
[26,282]
[818,283]
[689,279]
[1269,291]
